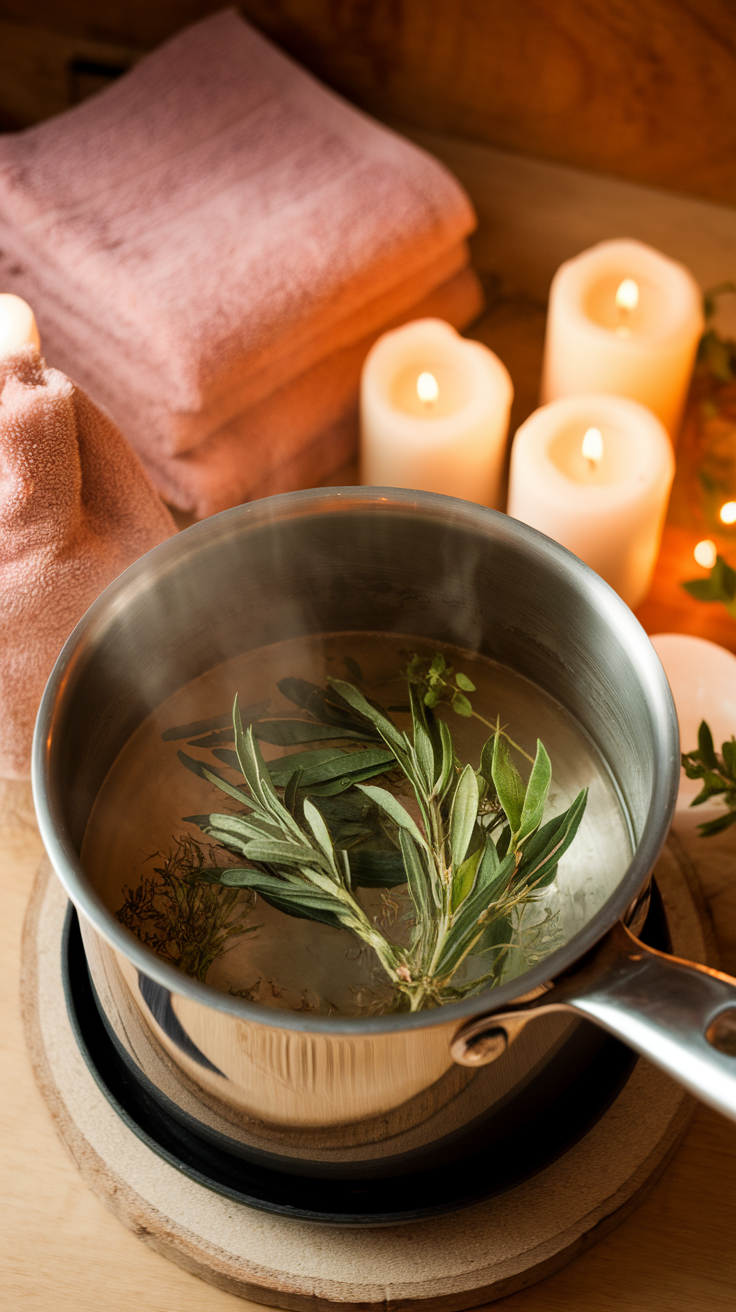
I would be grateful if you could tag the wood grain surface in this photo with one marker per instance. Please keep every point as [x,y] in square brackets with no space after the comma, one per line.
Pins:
[642,89]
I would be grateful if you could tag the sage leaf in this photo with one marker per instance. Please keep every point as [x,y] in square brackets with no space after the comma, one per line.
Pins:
[416,878]
[544,850]
[212,777]
[464,878]
[319,829]
[393,808]
[508,784]
[330,763]
[463,814]
[386,727]
[287,733]
[448,760]
[535,798]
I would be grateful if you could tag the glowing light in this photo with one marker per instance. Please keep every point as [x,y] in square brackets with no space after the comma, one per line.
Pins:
[427,388]
[593,447]
[728,513]
[705,553]
[627,296]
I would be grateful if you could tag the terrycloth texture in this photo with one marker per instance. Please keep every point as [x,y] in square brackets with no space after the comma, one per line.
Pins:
[75,509]
[303,434]
[214,226]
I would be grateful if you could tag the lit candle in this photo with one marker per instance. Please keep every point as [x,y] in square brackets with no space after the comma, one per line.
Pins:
[434,413]
[623,318]
[594,473]
[17,324]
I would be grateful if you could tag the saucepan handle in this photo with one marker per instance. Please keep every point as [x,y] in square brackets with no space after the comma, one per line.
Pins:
[680,1015]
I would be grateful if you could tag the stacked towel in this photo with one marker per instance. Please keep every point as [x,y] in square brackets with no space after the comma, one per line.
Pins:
[212,244]
[75,509]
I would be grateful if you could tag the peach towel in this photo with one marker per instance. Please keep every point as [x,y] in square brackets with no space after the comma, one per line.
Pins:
[75,509]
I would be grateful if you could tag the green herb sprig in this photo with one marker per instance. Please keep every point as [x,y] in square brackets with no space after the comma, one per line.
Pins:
[464,883]
[719,585]
[183,919]
[718,775]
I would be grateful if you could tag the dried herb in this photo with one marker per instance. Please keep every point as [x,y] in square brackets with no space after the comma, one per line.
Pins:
[477,854]
[718,776]
[188,922]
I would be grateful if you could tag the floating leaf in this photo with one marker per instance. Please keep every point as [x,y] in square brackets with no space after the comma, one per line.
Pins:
[463,814]
[287,733]
[393,808]
[461,705]
[464,682]
[508,783]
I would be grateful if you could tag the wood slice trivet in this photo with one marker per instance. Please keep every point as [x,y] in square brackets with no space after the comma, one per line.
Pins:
[475,1256]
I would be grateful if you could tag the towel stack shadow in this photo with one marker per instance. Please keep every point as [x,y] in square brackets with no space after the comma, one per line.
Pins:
[211,246]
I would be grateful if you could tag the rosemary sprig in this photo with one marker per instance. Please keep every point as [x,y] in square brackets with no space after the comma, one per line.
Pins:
[718,775]
[187,922]
[463,883]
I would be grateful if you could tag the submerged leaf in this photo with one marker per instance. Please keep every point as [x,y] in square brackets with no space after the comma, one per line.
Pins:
[393,808]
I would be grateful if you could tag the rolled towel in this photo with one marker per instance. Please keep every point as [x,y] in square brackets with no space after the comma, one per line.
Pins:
[217,223]
[75,509]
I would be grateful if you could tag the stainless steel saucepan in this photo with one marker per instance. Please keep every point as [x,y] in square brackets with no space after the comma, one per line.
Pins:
[337,1092]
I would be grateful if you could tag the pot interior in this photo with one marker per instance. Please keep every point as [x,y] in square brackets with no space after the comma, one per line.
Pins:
[295,586]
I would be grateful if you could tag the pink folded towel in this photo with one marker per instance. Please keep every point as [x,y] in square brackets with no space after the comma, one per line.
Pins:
[75,509]
[214,226]
[303,434]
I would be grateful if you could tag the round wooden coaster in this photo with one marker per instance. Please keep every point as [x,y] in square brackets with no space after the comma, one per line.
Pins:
[458,1261]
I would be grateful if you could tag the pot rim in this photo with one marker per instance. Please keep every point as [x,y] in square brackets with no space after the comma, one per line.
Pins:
[282,506]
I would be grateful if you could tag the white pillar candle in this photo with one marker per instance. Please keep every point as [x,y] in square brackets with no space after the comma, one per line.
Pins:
[623,318]
[605,500]
[17,324]
[702,677]
[434,413]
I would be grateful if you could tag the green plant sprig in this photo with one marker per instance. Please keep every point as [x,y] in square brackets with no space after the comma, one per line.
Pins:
[718,776]
[463,883]
[441,685]
[719,585]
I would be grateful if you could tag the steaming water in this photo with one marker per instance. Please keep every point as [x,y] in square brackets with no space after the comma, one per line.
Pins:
[299,964]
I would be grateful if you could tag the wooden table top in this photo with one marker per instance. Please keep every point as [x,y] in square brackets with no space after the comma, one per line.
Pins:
[63,1252]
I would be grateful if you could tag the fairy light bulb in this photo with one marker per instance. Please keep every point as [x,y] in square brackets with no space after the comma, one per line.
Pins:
[728,513]
[705,553]
[593,447]
[427,388]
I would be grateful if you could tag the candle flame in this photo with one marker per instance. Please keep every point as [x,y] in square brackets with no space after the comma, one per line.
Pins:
[593,447]
[705,553]
[427,388]
[627,296]
[728,513]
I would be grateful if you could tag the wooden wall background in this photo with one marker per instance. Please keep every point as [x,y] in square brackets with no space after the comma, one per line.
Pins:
[643,90]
